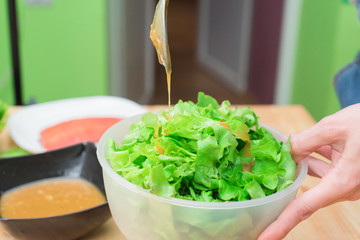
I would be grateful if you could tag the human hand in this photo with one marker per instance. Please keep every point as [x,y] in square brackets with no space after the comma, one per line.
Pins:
[336,137]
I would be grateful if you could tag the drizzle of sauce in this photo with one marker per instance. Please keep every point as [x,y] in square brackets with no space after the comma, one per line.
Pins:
[158,35]
[50,197]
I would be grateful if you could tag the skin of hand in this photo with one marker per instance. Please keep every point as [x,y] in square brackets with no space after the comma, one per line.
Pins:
[336,137]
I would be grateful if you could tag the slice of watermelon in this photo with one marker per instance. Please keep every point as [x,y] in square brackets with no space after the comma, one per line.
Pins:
[75,131]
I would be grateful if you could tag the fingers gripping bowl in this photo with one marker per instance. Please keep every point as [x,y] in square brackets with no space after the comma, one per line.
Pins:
[140,214]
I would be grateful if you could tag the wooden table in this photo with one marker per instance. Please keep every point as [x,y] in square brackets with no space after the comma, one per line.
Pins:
[339,221]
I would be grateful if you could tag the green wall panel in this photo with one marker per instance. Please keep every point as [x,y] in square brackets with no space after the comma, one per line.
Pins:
[329,38]
[63,49]
[6,80]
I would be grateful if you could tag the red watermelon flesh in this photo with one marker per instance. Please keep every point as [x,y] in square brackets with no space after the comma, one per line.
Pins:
[75,131]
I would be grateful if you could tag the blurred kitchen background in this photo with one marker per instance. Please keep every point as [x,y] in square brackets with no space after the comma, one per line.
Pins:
[247,51]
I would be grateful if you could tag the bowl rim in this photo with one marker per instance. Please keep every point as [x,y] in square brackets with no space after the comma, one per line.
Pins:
[301,170]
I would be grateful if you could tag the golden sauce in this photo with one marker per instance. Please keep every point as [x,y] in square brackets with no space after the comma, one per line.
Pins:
[158,35]
[168,78]
[50,197]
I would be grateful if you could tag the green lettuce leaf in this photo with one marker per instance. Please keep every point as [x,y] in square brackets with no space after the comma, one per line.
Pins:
[3,114]
[203,152]
[13,152]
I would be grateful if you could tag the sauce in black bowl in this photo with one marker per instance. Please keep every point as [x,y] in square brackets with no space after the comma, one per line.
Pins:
[76,162]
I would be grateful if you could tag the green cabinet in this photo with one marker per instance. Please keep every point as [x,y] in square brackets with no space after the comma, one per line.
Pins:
[328,39]
[6,79]
[63,49]
[76,48]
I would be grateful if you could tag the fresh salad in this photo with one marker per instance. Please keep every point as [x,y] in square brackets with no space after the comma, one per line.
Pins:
[203,152]
[15,151]
[3,111]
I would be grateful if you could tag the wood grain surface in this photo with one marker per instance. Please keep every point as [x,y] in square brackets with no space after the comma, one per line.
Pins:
[339,221]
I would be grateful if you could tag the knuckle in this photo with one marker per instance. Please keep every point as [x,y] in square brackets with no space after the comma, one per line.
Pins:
[347,185]
[327,125]
[331,128]
[326,121]
[305,211]
[344,180]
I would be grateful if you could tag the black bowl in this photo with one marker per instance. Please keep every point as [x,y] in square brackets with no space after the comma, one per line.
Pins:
[78,161]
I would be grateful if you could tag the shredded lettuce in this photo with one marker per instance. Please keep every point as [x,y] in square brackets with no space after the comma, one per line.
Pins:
[3,114]
[15,151]
[203,152]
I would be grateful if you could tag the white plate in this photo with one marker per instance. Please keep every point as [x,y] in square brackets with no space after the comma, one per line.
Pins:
[26,124]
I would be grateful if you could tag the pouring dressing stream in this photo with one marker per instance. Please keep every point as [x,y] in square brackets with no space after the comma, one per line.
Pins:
[158,35]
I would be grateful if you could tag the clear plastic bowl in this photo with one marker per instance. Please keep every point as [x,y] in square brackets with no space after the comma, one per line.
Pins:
[141,215]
